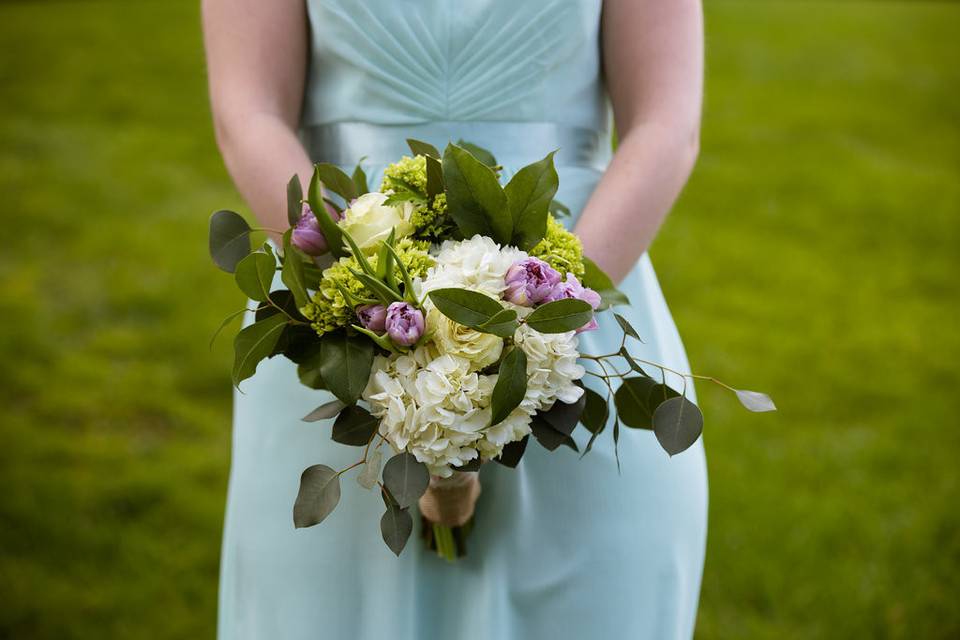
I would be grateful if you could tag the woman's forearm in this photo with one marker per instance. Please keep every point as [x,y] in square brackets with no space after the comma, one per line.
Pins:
[644,178]
[262,152]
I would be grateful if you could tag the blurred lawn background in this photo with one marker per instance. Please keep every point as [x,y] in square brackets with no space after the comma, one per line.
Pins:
[813,255]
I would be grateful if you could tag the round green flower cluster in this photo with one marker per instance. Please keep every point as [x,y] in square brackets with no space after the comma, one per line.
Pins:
[408,172]
[560,249]
[328,310]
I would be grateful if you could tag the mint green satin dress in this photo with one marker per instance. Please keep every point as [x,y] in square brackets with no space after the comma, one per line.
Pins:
[562,548]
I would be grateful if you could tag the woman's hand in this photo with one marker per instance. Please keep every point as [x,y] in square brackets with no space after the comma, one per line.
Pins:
[451,501]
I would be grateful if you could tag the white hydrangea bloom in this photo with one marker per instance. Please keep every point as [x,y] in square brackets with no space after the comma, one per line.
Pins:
[478,264]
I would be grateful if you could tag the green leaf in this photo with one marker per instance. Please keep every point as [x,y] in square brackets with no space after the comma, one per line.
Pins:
[469,308]
[354,426]
[405,478]
[367,478]
[396,525]
[345,363]
[549,437]
[359,178]
[511,385]
[594,278]
[627,327]
[560,316]
[324,411]
[294,200]
[254,343]
[559,210]
[335,180]
[223,325]
[377,287]
[292,273]
[329,227]
[434,177]
[677,424]
[564,417]
[513,452]
[596,411]
[478,152]
[318,496]
[632,400]
[229,239]
[503,323]
[475,199]
[529,193]
[755,401]
[421,148]
[659,393]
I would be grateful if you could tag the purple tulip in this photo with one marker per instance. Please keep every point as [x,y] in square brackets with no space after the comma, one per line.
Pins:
[373,317]
[404,323]
[307,235]
[530,281]
[573,289]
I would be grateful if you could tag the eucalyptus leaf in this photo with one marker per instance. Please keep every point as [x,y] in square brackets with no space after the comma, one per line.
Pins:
[336,180]
[504,324]
[294,200]
[632,400]
[549,437]
[596,410]
[475,199]
[324,411]
[367,478]
[345,363]
[354,426]
[254,343]
[564,417]
[472,465]
[421,148]
[560,316]
[529,193]
[511,385]
[254,275]
[229,239]
[396,525]
[318,496]
[677,424]
[469,308]
[755,401]
[405,478]
[627,327]
[512,452]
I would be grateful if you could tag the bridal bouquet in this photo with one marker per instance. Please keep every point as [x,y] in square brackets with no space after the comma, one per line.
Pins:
[442,312]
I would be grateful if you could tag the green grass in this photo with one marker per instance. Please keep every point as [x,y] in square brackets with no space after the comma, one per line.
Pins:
[814,255]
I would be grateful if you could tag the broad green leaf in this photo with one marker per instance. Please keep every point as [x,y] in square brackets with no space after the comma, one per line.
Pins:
[511,385]
[564,417]
[529,193]
[503,323]
[254,343]
[475,199]
[367,478]
[560,316]
[329,227]
[283,299]
[472,465]
[594,278]
[549,437]
[335,180]
[345,363]
[558,209]
[627,327]
[677,424]
[755,401]
[294,200]
[396,525]
[478,152]
[596,410]
[513,452]
[421,148]
[354,426]
[318,496]
[469,308]
[292,273]
[359,178]
[229,239]
[434,177]
[632,399]
[324,411]
[405,478]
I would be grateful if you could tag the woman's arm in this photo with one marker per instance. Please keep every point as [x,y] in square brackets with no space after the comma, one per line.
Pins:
[256,64]
[653,61]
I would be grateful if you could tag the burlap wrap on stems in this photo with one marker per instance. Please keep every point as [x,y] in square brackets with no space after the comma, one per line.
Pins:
[451,501]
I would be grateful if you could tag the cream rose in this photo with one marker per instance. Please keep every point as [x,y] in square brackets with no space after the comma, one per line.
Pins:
[369,220]
[452,338]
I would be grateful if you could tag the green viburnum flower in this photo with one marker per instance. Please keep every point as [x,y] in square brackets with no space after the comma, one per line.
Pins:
[328,310]
[430,220]
[408,172]
[561,249]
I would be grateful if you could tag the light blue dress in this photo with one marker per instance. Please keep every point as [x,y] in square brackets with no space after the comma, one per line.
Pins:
[562,548]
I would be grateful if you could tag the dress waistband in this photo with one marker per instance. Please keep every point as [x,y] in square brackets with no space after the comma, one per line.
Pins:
[514,144]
